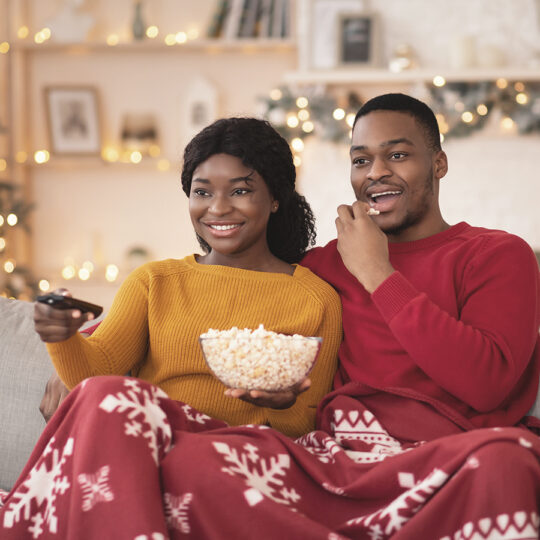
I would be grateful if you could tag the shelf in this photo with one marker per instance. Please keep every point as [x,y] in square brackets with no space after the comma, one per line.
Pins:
[383,76]
[154,46]
[95,162]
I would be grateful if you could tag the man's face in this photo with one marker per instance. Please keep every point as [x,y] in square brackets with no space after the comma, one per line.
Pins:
[397,173]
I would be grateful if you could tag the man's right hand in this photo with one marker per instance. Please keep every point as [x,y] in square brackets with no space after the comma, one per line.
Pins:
[55,392]
[54,325]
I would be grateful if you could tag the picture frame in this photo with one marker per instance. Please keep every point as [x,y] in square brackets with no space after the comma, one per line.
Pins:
[73,120]
[358,37]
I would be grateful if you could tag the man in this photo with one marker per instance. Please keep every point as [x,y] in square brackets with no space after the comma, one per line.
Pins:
[450,312]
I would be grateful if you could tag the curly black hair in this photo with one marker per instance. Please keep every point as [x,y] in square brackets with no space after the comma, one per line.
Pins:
[291,230]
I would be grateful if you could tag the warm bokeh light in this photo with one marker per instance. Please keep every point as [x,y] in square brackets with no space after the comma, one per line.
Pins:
[23,32]
[350,119]
[113,39]
[467,117]
[519,87]
[4,47]
[308,127]
[12,220]
[507,123]
[2,243]
[338,114]
[442,138]
[459,106]
[439,81]
[501,83]
[522,98]
[110,154]
[41,156]
[135,157]
[68,272]
[1,220]
[163,165]
[193,33]
[170,39]
[297,160]
[88,265]
[154,150]
[276,94]
[297,144]
[3,164]
[292,120]
[46,33]
[482,110]
[152,31]
[302,102]
[9,266]
[44,285]
[111,272]
[21,156]
[180,37]
[303,114]
[84,274]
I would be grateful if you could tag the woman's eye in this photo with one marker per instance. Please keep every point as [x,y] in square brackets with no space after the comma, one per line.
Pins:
[200,192]
[240,191]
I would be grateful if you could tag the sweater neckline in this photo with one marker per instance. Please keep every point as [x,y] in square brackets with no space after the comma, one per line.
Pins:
[242,272]
[430,241]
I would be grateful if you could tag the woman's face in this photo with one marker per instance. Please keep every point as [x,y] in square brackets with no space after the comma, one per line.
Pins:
[229,206]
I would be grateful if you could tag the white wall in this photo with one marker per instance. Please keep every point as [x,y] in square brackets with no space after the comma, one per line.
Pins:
[492,180]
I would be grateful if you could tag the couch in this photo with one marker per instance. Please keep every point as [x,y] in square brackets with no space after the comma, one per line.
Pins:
[25,368]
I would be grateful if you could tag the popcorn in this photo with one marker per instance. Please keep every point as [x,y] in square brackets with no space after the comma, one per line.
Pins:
[259,359]
[373,212]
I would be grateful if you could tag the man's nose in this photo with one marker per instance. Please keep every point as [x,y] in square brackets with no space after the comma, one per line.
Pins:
[378,170]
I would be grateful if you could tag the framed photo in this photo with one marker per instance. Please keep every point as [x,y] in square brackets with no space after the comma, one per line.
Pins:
[357,35]
[73,119]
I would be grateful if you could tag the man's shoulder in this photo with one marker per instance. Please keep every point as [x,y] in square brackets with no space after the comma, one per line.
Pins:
[320,254]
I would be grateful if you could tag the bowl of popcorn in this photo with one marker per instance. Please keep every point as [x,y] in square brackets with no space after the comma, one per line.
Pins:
[259,359]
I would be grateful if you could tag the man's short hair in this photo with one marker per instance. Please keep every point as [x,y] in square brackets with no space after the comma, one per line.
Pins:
[408,105]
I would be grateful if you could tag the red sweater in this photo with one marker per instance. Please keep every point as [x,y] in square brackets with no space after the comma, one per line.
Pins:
[456,322]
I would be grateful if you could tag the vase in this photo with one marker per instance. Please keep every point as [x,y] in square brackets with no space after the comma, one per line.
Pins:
[138,27]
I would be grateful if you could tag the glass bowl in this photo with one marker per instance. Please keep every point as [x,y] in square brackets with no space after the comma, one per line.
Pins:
[271,364]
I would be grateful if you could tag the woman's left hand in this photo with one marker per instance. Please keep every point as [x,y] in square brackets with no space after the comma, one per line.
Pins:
[272,400]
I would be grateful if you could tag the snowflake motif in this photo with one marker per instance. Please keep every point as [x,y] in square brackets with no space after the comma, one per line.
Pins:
[333,489]
[153,536]
[323,448]
[176,511]
[261,475]
[145,416]
[392,518]
[95,488]
[41,485]
[375,532]
[198,417]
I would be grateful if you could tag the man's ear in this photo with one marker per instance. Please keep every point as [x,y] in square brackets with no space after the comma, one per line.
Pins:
[440,165]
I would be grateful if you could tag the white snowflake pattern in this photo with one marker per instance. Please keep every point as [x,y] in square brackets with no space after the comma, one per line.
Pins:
[43,484]
[176,511]
[95,488]
[146,417]
[324,448]
[153,536]
[263,476]
[390,519]
[194,415]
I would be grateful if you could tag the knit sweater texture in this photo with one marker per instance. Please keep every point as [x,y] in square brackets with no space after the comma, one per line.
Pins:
[161,309]
[456,323]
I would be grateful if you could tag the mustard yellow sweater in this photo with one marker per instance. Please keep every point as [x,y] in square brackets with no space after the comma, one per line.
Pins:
[161,309]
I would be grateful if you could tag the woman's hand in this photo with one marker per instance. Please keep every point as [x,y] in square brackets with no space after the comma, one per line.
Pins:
[54,325]
[55,392]
[272,400]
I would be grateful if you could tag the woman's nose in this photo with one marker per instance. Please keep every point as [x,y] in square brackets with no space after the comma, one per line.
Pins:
[220,205]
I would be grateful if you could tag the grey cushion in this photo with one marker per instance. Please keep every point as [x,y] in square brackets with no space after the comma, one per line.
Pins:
[24,370]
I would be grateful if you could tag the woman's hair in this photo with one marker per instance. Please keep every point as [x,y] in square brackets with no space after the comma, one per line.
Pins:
[291,230]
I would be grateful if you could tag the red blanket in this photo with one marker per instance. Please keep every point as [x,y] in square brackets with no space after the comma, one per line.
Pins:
[121,460]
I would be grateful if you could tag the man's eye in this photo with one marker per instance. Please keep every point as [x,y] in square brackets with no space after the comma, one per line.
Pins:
[398,155]
[359,161]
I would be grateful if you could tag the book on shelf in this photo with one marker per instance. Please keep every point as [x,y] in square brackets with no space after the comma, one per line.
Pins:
[249,20]
[215,29]
[233,20]
[280,19]
[264,24]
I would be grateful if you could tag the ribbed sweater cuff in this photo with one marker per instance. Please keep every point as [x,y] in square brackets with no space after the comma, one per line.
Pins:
[392,295]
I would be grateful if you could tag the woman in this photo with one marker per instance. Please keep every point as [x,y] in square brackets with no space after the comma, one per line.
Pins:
[253,227]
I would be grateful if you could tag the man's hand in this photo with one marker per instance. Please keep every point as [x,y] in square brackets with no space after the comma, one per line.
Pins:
[272,400]
[362,245]
[55,392]
[54,325]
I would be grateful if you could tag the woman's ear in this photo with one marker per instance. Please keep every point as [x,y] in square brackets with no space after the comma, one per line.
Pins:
[275,206]
[440,165]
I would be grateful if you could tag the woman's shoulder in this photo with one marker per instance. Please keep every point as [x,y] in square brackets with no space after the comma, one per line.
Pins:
[315,285]
[164,267]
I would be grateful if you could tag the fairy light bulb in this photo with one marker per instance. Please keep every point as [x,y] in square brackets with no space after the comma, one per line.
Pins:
[439,81]
[68,272]
[292,120]
[297,144]
[44,285]
[276,94]
[113,40]
[152,32]
[302,102]
[111,272]
[41,156]
[12,220]
[2,243]
[338,114]
[9,266]
[303,115]
[308,127]
[467,117]
[482,110]
[83,274]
